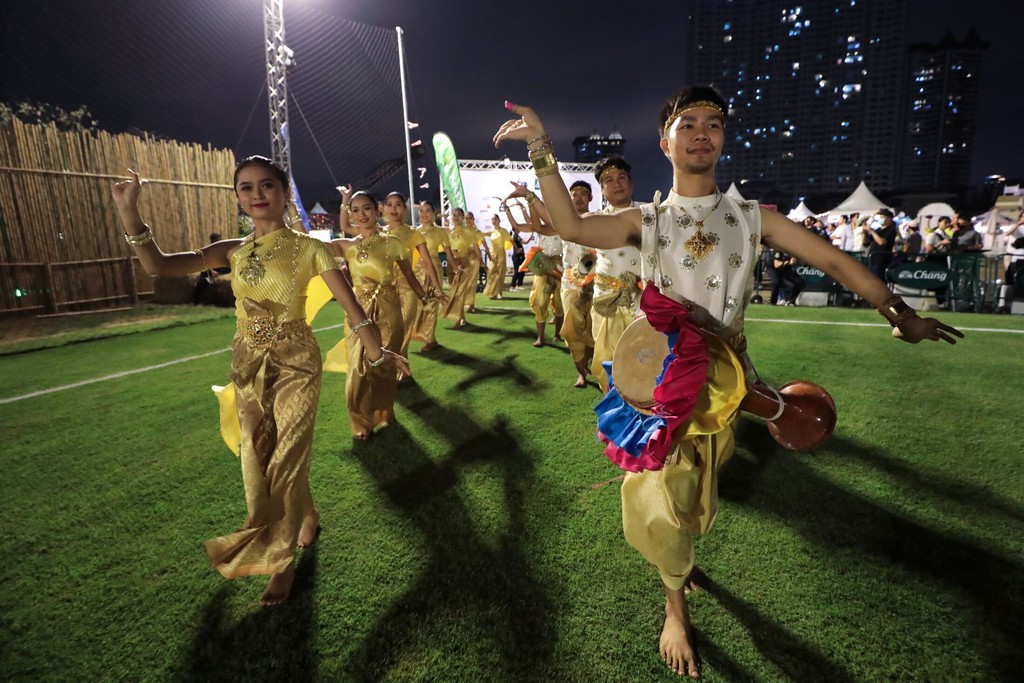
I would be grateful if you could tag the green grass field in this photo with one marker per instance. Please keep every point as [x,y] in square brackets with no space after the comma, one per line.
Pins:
[469,543]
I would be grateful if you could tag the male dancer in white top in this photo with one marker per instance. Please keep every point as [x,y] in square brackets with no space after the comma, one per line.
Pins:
[704,267]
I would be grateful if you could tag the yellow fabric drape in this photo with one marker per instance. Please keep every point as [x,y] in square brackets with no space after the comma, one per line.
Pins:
[607,331]
[576,326]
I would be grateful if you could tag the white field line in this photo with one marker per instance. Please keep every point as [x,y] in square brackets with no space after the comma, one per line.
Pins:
[824,322]
[526,311]
[186,359]
[126,373]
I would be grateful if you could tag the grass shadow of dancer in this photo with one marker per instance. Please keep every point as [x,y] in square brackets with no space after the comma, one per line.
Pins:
[481,370]
[782,485]
[270,644]
[488,585]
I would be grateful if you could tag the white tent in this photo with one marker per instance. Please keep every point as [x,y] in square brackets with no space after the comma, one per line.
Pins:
[936,210]
[799,213]
[862,201]
[317,208]
[734,193]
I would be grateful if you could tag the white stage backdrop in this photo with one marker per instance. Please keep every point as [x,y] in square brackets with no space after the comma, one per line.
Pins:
[486,183]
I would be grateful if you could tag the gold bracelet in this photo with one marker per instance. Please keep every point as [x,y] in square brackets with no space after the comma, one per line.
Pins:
[140,239]
[541,151]
[346,207]
[531,199]
[544,164]
[895,310]
[546,143]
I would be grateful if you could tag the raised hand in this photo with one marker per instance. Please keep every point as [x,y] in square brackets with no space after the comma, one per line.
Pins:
[126,193]
[346,193]
[521,190]
[527,128]
[916,328]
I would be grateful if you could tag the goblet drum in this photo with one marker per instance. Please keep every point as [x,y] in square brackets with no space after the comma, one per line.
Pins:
[801,415]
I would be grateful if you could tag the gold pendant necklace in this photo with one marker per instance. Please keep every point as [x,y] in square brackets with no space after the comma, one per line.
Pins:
[363,248]
[254,270]
[700,244]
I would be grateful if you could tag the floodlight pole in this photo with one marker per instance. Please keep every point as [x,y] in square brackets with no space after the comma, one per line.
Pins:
[278,58]
[405,117]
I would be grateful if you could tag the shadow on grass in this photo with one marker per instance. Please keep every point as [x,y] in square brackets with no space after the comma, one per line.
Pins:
[487,586]
[832,516]
[482,369]
[500,335]
[270,644]
[797,659]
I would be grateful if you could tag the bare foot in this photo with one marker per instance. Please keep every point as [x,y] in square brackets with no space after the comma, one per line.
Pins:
[459,324]
[310,526]
[471,309]
[361,436]
[539,343]
[581,382]
[429,346]
[556,339]
[279,588]
[694,580]
[676,645]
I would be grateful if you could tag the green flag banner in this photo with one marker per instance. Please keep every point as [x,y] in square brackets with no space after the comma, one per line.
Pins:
[448,169]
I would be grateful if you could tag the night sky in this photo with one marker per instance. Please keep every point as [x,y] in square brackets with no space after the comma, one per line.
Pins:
[193,70]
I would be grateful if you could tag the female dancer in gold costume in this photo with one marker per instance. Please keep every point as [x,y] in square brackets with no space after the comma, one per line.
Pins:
[464,243]
[373,258]
[275,364]
[436,239]
[419,257]
[498,237]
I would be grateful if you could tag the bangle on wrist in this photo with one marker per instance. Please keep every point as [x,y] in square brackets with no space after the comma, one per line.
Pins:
[544,164]
[531,199]
[345,207]
[544,139]
[379,361]
[896,310]
[138,240]
[361,324]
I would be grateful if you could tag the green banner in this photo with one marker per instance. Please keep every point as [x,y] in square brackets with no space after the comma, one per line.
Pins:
[815,279]
[448,169]
[920,275]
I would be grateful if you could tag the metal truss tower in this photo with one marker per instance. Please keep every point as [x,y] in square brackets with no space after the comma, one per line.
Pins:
[279,58]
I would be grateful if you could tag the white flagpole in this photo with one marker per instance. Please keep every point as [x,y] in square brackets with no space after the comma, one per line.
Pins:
[405,120]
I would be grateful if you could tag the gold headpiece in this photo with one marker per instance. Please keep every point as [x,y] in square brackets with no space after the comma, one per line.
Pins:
[609,167]
[702,104]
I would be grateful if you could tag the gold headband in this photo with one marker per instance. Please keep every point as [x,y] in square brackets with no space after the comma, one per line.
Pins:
[600,178]
[703,104]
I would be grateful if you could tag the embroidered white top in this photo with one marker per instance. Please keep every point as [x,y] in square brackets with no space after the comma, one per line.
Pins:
[717,287]
[551,245]
[614,262]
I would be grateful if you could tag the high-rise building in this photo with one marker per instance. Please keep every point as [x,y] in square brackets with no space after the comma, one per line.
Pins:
[941,113]
[591,149]
[815,89]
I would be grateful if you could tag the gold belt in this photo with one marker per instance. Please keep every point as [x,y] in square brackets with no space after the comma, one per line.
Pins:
[609,281]
[370,288]
[261,331]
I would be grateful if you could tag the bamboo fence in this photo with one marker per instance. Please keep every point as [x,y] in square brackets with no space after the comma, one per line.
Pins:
[61,247]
